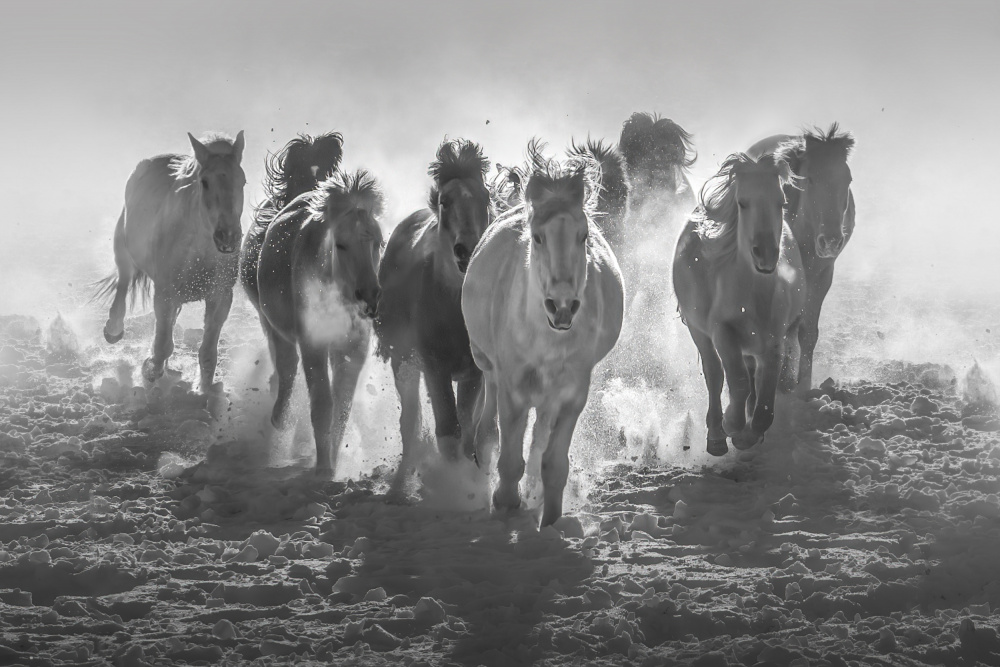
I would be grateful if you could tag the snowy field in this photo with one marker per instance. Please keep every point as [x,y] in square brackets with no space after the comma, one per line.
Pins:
[153,526]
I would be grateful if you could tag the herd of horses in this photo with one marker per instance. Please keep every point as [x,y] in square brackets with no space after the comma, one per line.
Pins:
[504,292]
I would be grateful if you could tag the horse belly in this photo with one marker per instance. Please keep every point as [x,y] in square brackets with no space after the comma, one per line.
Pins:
[443,340]
[201,277]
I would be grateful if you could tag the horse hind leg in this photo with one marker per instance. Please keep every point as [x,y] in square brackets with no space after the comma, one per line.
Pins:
[216,311]
[714,377]
[484,417]
[469,392]
[114,328]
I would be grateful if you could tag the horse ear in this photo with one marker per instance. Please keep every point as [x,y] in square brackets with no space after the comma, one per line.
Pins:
[201,153]
[578,187]
[536,188]
[238,146]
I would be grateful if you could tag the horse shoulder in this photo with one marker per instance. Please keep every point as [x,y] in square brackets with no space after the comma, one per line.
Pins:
[489,281]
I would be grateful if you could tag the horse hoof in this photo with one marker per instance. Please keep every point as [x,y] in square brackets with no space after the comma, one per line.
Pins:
[113,338]
[717,447]
[150,372]
[746,440]
[501,504]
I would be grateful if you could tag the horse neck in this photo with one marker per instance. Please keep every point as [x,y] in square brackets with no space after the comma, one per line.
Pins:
[443,266]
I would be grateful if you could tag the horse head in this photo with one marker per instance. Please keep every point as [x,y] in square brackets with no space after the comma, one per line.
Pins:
[351,205]
[220,180]
[819,159]
[460,199]
[656,151]
[559,224]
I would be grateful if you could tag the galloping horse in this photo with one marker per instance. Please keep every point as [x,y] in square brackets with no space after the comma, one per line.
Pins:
[821,216]
[316,285]
[179,229]
[657,154]
[294,170]
[741,290]
[420,326]
[543,301]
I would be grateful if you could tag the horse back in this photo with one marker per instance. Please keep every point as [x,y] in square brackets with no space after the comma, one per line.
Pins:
[253,242]
[276,259]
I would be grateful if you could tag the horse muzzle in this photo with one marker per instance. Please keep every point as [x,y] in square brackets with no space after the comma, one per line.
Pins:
[764,259]
[368,303]
[560,316]
[829,247]
[226,242]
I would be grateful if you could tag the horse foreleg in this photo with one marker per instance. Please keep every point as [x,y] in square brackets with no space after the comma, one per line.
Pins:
[790,360]
[165,310]
[114,329]
[407,378]
[712,368]
[315,363]
[468,394]
[216,311]
[286,365]
[727,343]
[752,373]
[555,460]
[763,413]
[446,425]
[513,414]
[809,328]
[485,418]
[346,372]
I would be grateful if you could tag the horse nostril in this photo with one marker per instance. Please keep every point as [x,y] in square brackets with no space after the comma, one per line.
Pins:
[358,295]
[575,306]
[550,306]
[757,252]
[461,252]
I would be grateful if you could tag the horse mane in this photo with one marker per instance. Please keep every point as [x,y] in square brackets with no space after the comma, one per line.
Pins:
[288,173]
[717,213]
[833,144]
[613,188]
[357,189]
[647,136]
[456,159]
[185,167]
[507,187]
[562,178]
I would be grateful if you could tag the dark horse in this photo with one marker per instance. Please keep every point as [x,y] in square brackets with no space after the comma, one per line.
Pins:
[657,154]
[294,170]
[316,286]
[180,228]
[420,326]
[820,213]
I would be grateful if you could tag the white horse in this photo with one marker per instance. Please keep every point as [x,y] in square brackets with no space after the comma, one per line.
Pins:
[543,301]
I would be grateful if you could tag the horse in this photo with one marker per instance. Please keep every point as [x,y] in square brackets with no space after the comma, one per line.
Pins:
[821,216]
[506,187]
[419,327]
[658,154]
[741,290]
[543,302]
[316,292]
[179,230]
[294,170]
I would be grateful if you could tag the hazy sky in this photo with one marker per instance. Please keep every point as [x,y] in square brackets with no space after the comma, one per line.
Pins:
[91,88]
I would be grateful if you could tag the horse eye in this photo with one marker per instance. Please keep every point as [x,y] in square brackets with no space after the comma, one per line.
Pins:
[204,183]
[341,246]
[741,204]
[536,238]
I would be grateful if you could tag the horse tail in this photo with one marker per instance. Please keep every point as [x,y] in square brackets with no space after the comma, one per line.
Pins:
[139,286]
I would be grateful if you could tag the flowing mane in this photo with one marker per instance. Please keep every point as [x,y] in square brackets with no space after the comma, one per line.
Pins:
[288,173]
[184,168]
[648,138]
[613,188]
[343,190]
[815,144]
[461,159]
[561,178]
[717,213]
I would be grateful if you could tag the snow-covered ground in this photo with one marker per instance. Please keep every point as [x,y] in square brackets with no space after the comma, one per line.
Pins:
[147,526]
